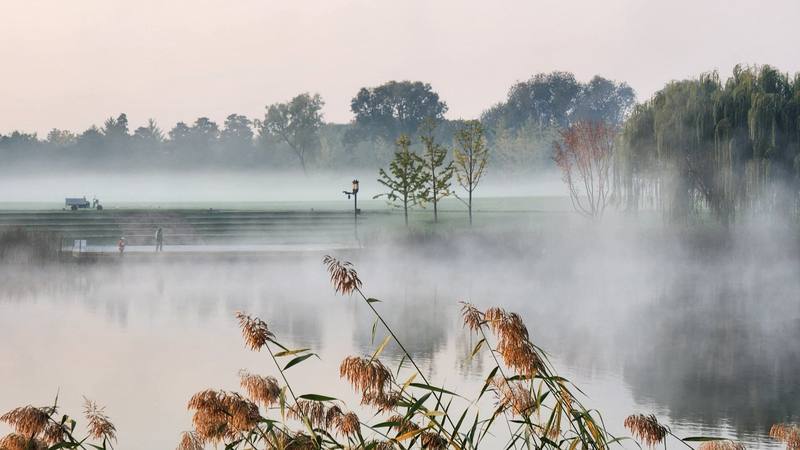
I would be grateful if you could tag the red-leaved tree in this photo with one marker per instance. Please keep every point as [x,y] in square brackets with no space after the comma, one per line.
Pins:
[585,155]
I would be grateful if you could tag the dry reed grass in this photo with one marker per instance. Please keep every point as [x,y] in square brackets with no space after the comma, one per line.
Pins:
[646,428]
[369,376]
[254,330]
[514,396]
[513,342]
[99,424]
[220,415]
[27,420]
[262,390]
[721,445]
[786,433]
[190,441]
[16,441]
[343,276]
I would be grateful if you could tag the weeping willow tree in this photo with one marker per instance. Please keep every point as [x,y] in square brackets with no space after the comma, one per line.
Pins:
[701,144]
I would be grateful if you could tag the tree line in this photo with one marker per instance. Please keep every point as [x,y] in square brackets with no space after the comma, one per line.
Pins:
[293,134]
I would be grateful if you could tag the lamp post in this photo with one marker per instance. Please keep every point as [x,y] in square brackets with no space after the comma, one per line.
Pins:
[354,193]
[356,211]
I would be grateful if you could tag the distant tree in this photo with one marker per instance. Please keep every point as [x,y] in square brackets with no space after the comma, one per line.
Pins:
[238,130]
[180,133]
[61,138]
[585,155]
[296,123]
[204,132]
[405,179]
[116,129]
[557,100]
[470,157]
[603,100]
[437,174]
[150,134]
[392,109]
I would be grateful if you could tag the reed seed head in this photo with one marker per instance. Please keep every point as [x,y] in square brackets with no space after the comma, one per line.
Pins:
[646,428]
[721,445]
[300,441]
[402,424]
[190,441]
[343,276]
[220,415]
[254,330]
[312,410]
[513,343]
[348,424]
[369,376]
[16,441]
[27,420]
[382,401]
[787,433]
[515,396]
[432,441]
[55,433]
[262,390]
[99,424]
[473,317]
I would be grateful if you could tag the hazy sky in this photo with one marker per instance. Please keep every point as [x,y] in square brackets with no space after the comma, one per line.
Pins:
[70,64]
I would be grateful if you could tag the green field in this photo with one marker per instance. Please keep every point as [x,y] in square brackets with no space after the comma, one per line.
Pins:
[268,223]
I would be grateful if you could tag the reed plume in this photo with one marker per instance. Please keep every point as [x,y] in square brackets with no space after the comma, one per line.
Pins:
[312,410]
[786,433]
[220,415]
[513,342]
[99,424]
[646,428]
[28,420]
[190,441]
[369,376]
[262,390]
[473,317]
[402,424]
[432,441]
[514,396]
[721,445]
[254,330]
[382,401]
[347,424]
[343,276]
[16,441]
[55,433]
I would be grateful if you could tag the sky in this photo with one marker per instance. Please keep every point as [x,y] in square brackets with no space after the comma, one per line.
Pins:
[71,64]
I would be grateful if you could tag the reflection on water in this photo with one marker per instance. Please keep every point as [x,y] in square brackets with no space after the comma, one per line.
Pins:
[704,336]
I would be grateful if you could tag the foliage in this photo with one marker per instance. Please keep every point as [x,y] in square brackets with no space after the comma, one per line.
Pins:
[470,158]
[727,147]
[296,123]
[406,179]
[584,155]
[392,109]
[557,99]
[437,174]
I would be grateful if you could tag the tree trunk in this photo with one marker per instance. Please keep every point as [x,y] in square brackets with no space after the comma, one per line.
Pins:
[469,206]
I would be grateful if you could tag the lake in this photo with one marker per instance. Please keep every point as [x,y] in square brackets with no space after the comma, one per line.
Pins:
[697,325]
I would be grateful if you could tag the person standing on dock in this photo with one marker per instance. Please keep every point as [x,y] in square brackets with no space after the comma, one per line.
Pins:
[121,245]
[159,240]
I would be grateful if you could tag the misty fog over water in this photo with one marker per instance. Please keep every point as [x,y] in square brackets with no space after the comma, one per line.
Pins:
[694,325]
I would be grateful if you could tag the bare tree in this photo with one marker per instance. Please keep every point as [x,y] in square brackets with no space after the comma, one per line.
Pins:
[470,157]
[585,155]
